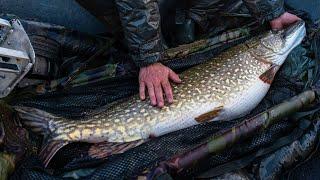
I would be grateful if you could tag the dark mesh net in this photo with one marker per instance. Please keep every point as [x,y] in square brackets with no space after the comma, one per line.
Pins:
[309,170]
[147,155]
[80,101]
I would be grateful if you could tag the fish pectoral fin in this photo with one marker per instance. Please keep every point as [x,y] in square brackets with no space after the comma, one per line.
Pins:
[269,75]
[105,149]
[50,149]
[209,115]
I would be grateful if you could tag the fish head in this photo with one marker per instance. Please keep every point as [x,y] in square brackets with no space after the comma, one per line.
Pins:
[276,45]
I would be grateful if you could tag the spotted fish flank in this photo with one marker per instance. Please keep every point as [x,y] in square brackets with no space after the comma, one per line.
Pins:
[226,87]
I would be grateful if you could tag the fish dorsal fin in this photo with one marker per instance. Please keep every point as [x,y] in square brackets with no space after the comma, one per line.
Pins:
[49,149]
[209,115]
[268,76]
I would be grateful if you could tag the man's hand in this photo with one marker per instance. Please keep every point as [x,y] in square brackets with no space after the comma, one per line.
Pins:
[285,20]
[156,78]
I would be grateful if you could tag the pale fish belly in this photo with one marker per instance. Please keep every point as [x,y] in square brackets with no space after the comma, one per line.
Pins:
[245,102]
[184,120]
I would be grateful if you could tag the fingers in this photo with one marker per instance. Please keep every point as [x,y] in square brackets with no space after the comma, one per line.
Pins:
[174,77]
[276,25]
[291,19]
[152,94]
[156,79]
[156,94]
[142,91]
[168,91]
[284,21]
[159,95]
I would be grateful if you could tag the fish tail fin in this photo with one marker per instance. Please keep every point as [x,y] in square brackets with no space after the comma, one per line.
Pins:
[39,122]
[35,119]
[49,149]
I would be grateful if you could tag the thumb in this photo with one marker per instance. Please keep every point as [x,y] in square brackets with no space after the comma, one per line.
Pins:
[174,77]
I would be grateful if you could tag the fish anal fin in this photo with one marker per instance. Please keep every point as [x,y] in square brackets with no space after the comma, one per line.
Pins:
[269,75]
[50,149]
[209,115]
[105,149]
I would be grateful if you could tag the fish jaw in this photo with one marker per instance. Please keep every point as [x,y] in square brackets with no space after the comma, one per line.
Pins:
[293,36]
[274,47]
[292,40]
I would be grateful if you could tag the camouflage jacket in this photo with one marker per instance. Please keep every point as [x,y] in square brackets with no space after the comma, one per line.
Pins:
[141,21]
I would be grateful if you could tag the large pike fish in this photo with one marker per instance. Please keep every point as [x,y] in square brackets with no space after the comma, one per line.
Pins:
[226,87]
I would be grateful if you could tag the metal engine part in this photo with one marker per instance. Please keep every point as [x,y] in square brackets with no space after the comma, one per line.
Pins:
[16,55]
[46,63]
[47,54]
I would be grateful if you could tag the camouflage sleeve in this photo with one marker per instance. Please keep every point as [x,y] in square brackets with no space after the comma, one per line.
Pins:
[265,10]
[140,20]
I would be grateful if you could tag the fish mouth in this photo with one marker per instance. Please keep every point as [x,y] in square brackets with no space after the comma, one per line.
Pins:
[291,30]
[293,35]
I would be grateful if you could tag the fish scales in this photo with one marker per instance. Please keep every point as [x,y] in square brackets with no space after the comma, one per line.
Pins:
[226,87]
[216,80]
